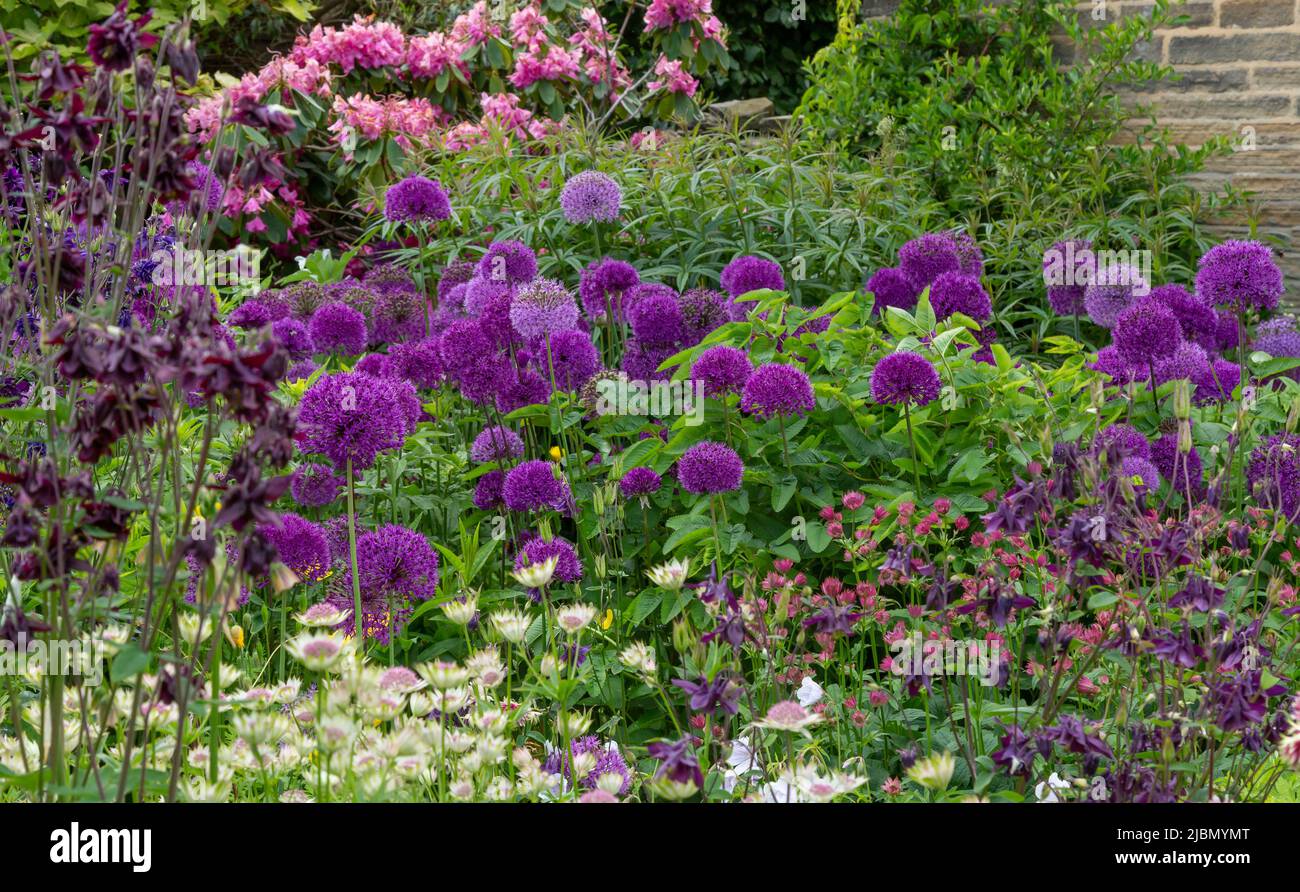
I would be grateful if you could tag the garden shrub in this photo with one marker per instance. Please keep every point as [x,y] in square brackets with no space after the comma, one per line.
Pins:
[1016,145]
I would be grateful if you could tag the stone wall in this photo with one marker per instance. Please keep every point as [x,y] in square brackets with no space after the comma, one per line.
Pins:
[1239,62]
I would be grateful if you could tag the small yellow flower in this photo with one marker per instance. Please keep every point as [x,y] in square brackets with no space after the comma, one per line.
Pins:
[556,454]
[607,620]
[235,635]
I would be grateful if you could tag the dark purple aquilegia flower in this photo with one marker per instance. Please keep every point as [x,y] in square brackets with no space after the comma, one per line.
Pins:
[677,761]
[721,696]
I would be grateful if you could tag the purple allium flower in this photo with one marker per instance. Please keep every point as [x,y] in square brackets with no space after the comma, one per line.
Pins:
[608,761]
[338,328]
[603,284]
[574,358]
[969,254]
[1196,318]
[496,443]
[657,319]
[508,261]
[709,467]
[543,307]
[416,198]
[385,277]
[1226,333]
[524,388]
[1111,292]
[1128,439]
[722,369]
[482,294]
[314,485]
[641,361]
[904,377]
[396,562]
[303,368]
[458,272]
[293,336]
[1142,473]
[1215,381]
[534,486]
[747,273]
[1239,275]
[301,545]
[399,315]
[923,259]
[1066,270]
[206,195]
[462,345]
[419,362]
[1145,332]
[488,491]
[639,482]
[1188,361]
[251,314]
[1273,474]
[959,293]
[1111,364]
[351,415]
[703,310]
[1184,473]
[591,195]
[1279,338]
[891,288]
[376,364]
[538,550]
[777,389]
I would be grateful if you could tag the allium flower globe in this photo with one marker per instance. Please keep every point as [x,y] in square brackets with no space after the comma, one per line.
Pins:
[314,485]
[416,199]
[955,292]
[574,358]
[747,273]
[925,258]
[1147,331]
[602,286]
[351,416]
[533,486]
[1111,292]
[567,567]
[1273,474]
[496,443]
[338,328]
[709,467]
[891,288]
[777,389]
[904,377]
[508,261]
[591,196]
[657,319]
[639,483]
[722,369]
[543,307]
[1239,275]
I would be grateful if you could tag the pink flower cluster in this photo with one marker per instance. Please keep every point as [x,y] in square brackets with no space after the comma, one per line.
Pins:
[667,13]
[410,122]
[673,78]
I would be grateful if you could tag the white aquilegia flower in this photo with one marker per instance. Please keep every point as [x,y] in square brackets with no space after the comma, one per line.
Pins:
[809,692]
[670,576]
[1045,791]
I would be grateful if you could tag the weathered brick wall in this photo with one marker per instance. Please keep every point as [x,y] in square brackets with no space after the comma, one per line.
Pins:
[1239,62]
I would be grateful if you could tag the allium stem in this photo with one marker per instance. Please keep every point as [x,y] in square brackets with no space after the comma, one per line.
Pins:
[911,441]
[357,625]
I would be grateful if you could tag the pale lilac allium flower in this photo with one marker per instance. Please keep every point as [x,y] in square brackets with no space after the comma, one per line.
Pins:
[543,307]
[591,196]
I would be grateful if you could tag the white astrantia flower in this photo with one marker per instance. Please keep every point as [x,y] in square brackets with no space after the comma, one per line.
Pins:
[671,575]
[536,575]
[809,692]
